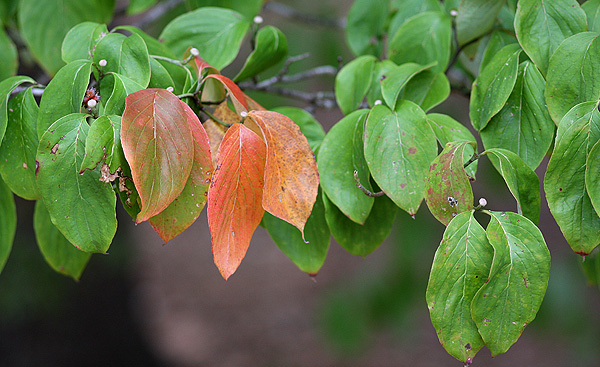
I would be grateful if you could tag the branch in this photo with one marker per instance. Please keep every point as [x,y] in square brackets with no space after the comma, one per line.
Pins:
[308,74]
[291,13]
[364,189]
[318,99]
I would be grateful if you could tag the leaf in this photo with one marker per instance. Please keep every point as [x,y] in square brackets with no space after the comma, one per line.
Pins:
[186,208]
[447,129]
[399,147]
[158,144]
[522,182]
[44,26]
[234,92]
[406,9]
[497,41]
[494,85]
[81,40]
[64,94]
[461,266]
[127,56]
[359,239]
[8,222]
[523,125]
[271,48]
[475,18]
[308,257]
[393,83]
[572,74]
[81,206]
[291,175]
[248,8]
[215,130]
[235,196]
[138,6]
[592,177]
[217,33]
[380,70]
[427,89]
[6,88]
[19,146]
[448,190]
[103,144]
[365,28]
[592,11]
[310,128]
[159,76]
[352,83]
[56,249]
[341,153]
[8,55]
[564,182]
[425,38]
[542,25]
[511,297]
[121,88]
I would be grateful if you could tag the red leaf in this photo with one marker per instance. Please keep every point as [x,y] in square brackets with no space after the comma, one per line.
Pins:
[235,195]
[237,96]
[291,175]
[184,210]
[158,144]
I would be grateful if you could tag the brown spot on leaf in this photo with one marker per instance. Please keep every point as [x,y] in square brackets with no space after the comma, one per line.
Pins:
[106,176]
[412,150]
[54,149]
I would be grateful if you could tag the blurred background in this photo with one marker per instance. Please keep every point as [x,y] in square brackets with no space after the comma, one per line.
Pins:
[167,305]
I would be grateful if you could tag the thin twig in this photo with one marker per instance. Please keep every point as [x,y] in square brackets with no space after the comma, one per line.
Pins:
[291,13]
[364,189]
[37,90]
[308,74]
[214,118]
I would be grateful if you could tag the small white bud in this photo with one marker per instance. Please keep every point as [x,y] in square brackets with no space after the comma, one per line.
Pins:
[194,51]
[170,89]
[244,114]
[258,19]
[482,202]
[377,102]
[453,12]
[92,103]
[102,63]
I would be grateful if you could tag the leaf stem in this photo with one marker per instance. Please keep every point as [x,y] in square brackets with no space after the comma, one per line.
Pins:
[214,118]
[472,159]
[364,189]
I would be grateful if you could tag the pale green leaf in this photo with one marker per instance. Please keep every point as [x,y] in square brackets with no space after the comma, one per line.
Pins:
[271,48]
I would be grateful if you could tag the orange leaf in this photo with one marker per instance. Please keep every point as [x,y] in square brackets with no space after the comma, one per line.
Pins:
[158,144]
[237,96]
[216,131]
[186,208]
[291,176]
[234,198]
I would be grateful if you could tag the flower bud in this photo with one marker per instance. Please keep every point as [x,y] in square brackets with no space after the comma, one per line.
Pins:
[92,103]
[194,51]
[258,19]
[102,63]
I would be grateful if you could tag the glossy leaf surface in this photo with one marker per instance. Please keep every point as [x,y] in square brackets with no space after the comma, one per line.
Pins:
[127,56]
[8,222]
[352,83]
[81,40]
[6,88]
[271,48]
[103,144]
[396,80]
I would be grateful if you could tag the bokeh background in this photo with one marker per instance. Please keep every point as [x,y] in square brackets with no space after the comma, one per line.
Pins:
[150,304]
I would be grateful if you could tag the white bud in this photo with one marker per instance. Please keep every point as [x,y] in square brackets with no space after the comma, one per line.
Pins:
[377,102]
[92,103]
[453,12]
[102,63]
[194,51]
[170,89]
[482,202]
[244,114]
[258,19]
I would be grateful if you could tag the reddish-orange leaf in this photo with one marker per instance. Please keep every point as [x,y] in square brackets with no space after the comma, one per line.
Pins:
[235,195]
[184,210]
[158,144]
[291,175]
[216,131]
[237,96]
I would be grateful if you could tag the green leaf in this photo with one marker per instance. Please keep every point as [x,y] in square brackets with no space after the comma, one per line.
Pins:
[496,42]
[56,249]
[121,88]
[475,18]
[395,81]
[311,128]
[542,25]
[573,74]
[81,206]
[217,33]
[64,94]
[511,297]
[564,182]
[138,6]
[399,147]
[447,129]
[19,146]
[592,11]
[352,83]
[81,40]
[127,56]
[359,239]
[523,125]
[494,85]
[6,88]
[423,39]
[460,267]
[271,48]
[592,176]
[448,190]
[248,8]
[365,26]
[340,154]
[380,70]
[427,89]
[8,55]
[103,144]
[309,256]
[45,25]
[522,182]
[406,9]
[8,222]
[159,76]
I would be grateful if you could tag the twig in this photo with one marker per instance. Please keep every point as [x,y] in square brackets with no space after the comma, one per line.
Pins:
[364,189]
[308,74]
[291,13]
[37,90]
